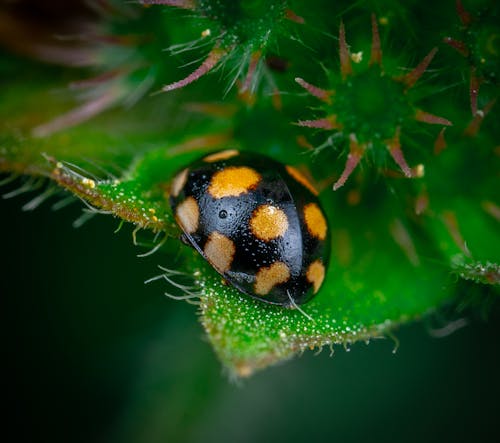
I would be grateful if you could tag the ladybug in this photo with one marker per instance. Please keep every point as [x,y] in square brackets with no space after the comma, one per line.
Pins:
[257,222]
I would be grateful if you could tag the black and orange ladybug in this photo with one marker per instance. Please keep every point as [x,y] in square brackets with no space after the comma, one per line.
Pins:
[257,222]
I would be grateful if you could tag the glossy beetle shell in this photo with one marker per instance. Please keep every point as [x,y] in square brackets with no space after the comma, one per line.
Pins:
[257,222]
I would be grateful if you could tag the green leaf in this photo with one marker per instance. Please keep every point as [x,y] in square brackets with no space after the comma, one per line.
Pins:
[375,281]
[373,284]
[389,264]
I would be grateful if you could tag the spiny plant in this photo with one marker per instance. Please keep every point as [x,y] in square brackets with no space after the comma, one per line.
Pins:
[114,109]
[357,106]
[477,45]
[241,34]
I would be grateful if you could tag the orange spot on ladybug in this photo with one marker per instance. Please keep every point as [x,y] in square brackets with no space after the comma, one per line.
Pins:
[219,251]
[315,274]
[268,277]
[301,178]
[223,155]
[233,181]
[268,222]
[188,215]
[315,221]
[179,182]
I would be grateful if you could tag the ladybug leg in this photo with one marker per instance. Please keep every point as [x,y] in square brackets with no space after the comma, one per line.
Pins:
[183,238]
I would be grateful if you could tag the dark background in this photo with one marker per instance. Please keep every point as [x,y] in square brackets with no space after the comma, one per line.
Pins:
[91,354]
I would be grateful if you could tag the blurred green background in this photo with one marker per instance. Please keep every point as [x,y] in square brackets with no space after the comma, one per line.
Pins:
[109,359]
[91,354]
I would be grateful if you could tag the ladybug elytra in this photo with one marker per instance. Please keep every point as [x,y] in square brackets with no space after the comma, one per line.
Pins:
[257,222]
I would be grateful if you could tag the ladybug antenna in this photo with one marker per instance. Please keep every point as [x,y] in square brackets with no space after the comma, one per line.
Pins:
[294,305]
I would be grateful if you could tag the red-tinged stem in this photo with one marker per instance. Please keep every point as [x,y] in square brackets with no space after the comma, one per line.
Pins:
[212,109]
[116,40]
[183,4]
[398,156]
[376,53]
[450,220]
[457,45]
[321,123]
[345,60]
[77,115]
[473,128]
[394,147]
[492,209]
[440,142]
[254,60]
[247,97]
[465,17]
[303,142]
[356,152]
[403,239]
[411,78]
[319,93]
[432,119]
[290,15]
[473,91]
[276,100]
[74,57]
[97,80]
[208,64]
[421,203]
